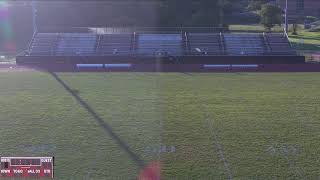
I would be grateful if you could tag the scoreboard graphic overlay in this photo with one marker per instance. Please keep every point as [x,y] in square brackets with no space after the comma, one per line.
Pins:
[24,167]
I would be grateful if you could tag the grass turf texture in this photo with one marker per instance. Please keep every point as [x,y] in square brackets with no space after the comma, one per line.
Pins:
[311,40]
[240,125]
[253,28]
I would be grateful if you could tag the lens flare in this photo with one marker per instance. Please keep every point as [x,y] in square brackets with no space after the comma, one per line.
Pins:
[4,6]
[3,3]
[151,172]
[6,32]
[10,46]
[4,12]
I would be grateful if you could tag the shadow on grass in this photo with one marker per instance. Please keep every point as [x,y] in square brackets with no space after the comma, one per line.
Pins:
[101,122]
[304,37]
[305,46]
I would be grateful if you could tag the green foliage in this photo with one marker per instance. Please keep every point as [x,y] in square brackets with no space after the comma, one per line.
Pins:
[311,41]
[190,13]
[256,4]
[310,19]
[270,16]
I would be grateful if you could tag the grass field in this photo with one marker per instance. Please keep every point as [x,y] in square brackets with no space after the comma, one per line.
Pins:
[253,28]
[199,126]
[311,41]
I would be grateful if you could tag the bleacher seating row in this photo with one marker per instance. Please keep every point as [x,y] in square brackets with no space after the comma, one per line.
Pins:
[115,44]
[159,44]
[244,44]
[205,44]
[43,44]
[82,44]
[278,44]
[148,44]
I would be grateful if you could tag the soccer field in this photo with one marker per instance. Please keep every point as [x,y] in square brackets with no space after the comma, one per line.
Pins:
[197,125]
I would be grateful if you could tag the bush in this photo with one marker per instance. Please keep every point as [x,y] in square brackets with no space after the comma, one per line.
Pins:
[310,19]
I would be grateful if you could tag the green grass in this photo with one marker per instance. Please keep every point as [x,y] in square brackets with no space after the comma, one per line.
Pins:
[311,41]
[243,125]
[253,28]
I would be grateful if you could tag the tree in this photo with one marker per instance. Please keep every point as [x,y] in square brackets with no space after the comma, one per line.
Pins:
[270,16]
[256,4]
[178,13]
[191,12]
[207,13]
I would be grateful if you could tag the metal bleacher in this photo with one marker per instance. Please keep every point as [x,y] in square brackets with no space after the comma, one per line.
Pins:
[115,44]
[154,50]
[205,44]
[43,44]
[76,44]
[153,44]
[278,44]
[160,44]
[244,44]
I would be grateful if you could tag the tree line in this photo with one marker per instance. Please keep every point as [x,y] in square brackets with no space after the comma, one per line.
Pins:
[138,13]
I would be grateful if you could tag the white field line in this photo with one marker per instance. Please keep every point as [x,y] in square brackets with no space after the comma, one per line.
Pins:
[218,147]
[161,130]
[291,162]
[88,175]
[292,165]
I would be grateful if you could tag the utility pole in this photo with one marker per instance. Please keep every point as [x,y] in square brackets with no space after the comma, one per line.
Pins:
[34,16]
[221,14]
[286,17]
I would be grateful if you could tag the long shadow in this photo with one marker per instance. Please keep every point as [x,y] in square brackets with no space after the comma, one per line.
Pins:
[102,123]
[305,46]
[304,37]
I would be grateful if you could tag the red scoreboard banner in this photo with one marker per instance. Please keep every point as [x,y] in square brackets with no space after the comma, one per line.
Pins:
[24,167]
